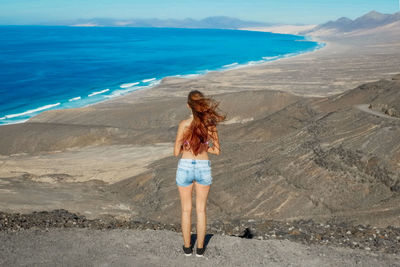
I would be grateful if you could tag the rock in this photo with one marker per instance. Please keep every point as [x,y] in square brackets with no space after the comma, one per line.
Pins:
[304,231]
[391,112]
[396,77]
[295,232]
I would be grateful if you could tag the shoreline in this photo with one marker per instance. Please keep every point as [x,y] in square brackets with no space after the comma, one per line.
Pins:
[325,45]
[283,133]
[199,74]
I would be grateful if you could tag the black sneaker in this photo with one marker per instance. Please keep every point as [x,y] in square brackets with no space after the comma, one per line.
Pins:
[200,251]
[188,251]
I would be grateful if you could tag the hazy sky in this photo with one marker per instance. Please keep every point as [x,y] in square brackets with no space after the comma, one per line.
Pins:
[281,11]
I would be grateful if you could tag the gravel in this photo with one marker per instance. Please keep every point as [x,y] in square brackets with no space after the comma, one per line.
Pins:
[361,237]
[126,247]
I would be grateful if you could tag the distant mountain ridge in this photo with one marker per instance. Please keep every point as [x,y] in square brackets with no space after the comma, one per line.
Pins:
[217,22]
[370,20]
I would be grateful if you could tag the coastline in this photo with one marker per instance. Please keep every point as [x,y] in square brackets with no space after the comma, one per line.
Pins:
[195,76]
[308,172]
[284,29]
[322,44]
[153,85]
[282,119]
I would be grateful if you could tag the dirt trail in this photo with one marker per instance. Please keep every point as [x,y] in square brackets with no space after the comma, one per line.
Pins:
[364,107]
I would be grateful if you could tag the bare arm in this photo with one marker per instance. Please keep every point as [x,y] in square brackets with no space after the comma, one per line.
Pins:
[178,140]
[215,149]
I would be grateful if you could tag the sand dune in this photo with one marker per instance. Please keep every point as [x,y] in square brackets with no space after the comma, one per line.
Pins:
[286,29]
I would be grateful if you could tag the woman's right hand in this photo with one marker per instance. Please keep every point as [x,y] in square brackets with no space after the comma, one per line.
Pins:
[178,139]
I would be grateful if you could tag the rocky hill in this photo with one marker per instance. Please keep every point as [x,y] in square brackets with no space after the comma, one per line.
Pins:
[371,20]
[291,158]
[313,158]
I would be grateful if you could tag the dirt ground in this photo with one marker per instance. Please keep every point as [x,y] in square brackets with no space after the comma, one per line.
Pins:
[83,247]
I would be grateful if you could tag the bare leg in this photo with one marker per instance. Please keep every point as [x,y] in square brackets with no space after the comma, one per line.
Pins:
[186,207]
[201,202]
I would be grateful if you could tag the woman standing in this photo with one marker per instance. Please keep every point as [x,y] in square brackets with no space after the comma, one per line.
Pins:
[196,137]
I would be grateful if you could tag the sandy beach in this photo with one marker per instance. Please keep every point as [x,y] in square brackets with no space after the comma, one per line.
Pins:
[285,29]
[307,149]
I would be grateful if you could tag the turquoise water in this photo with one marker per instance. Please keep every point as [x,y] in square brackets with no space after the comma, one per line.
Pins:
[53,67]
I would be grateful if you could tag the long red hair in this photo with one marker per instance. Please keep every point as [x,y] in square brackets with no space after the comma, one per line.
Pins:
[205,118]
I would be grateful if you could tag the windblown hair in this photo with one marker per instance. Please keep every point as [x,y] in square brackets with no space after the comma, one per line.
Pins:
[205,119]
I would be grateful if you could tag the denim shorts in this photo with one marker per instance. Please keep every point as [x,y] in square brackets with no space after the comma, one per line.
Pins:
[190,170]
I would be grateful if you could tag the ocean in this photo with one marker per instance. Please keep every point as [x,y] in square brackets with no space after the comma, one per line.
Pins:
[57,67]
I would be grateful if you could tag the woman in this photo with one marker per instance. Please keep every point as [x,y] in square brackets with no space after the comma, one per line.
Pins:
[196,137]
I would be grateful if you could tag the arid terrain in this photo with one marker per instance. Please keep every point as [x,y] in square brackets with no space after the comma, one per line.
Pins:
[297,144]
[83,247]
[306,137]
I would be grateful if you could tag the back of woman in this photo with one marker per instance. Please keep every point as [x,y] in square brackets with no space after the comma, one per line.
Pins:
[196,137]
